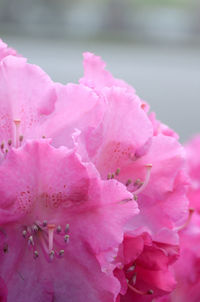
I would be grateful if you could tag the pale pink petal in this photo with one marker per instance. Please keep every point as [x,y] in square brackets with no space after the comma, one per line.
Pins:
[124,130]
[27,96]
[77,107]
[97,77]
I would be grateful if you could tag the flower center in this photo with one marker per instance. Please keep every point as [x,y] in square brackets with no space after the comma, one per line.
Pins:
[131,282]
[138,185]
[50,238]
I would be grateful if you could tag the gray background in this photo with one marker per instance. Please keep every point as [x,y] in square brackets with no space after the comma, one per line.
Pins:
[154,47]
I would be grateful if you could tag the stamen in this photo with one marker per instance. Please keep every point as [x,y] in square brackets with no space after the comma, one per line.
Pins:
[138,182]
[66,237]
[35,255]
[51,254]
[178,229]
[21,139]
[9,142]
[109,176]
[35,228]
[117,171]
[2,146]
[131,268]
[112,175]
[148,173]
[30,240]
[61,252]
[44,224]
[67,228]
[17,125]
[24,232]
[58,229]
[139,292]
[129,181]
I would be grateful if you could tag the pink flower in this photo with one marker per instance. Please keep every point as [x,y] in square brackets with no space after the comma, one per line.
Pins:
[102,153]
[6,51]
[59,224]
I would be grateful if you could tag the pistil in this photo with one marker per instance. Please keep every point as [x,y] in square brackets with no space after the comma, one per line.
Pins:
[139,292]
[51,228]
[17,123]
[146,181]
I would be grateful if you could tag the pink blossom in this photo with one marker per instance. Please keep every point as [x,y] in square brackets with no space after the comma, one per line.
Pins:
[105,156]
[57,226]
[49,195]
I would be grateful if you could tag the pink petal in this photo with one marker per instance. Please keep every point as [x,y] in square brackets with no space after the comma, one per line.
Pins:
[125,128]
[97,77]
[27,94]
[77,107]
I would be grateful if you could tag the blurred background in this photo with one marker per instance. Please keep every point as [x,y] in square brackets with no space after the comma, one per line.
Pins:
[154,45]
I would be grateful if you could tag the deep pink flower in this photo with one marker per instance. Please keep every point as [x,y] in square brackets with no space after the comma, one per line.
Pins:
[48,197]
[145,274]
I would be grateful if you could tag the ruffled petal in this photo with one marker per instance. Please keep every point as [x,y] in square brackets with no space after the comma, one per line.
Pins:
[27,96]
[97,77]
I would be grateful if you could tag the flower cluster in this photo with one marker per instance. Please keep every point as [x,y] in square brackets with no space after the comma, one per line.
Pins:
[93,192]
